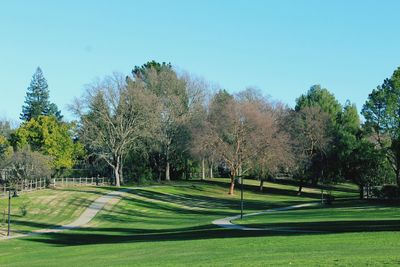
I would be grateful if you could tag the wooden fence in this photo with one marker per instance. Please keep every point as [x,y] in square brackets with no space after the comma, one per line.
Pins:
[39,184]
[24,186]
[60,182]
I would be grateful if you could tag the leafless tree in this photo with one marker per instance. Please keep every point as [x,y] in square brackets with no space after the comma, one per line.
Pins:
[310,137]
[115,116]
[241,129]
[173,104]
[25,164]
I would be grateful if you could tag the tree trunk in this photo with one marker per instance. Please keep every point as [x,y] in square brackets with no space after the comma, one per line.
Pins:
[261,184]
[300,188]
[116,172]
[203,169]
[186,169]
[211,170]
[361,191]
[121,172]
[232,186]
[167,177]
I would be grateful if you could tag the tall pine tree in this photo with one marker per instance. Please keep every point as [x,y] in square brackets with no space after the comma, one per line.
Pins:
[37,99]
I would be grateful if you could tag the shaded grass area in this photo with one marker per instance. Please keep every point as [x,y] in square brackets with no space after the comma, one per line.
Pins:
[171,226]
[342,216]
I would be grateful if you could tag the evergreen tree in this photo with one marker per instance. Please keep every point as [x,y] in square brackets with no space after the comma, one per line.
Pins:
[37,99]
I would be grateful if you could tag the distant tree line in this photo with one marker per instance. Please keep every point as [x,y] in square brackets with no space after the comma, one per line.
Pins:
[159,124]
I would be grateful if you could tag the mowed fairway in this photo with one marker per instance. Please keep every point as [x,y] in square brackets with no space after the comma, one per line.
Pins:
[171,225]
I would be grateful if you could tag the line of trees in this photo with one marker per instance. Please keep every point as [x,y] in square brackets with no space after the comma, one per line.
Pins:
[158,124]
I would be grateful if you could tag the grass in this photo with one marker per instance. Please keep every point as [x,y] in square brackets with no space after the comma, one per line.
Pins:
[47,208]
[342,216]
[171,226]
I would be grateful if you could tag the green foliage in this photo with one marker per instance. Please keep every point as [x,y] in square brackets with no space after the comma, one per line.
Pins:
[349,119]
[322,98]
[382,115]
[5,148]
[141,72]
[344,131]
[366,165]
[37,99]
[50,137]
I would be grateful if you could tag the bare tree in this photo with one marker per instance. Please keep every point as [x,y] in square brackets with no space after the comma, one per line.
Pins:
[25,164]
[278,155]
[311,138]
[240,129]
[173,104]
[115,116]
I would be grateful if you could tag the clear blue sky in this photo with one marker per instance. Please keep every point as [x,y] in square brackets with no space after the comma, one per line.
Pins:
[282,47]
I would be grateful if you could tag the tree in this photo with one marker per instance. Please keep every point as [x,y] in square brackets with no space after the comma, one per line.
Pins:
[367,166]
[5,133]
[25,164]
[382,119]
[50,137]
[347,138]
[5,148]
[173,100]
[239,130]
[115,117]
[344,126]
[37,99]
[311,138]
[322,98]
[200,145]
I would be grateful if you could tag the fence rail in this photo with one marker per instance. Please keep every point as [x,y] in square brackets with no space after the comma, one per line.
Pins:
[39,184]
[24,186]
[85,181]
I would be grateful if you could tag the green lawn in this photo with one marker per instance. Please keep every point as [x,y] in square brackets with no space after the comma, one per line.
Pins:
[171,226]
[47,208]
[342,216]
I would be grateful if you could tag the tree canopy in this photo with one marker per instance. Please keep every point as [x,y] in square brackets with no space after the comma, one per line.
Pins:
[37,101]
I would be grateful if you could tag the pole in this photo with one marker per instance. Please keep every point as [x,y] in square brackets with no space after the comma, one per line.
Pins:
[9,211]
[322,192]
[241,198]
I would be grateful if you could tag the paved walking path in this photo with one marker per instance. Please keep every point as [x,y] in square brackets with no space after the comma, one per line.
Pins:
[227,222]
[85,217]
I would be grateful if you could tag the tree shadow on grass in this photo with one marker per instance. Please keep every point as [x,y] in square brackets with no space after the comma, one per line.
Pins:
[134,235]
[266,191]
[199,204]
[336,226]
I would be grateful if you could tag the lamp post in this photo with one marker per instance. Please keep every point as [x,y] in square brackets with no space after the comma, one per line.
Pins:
[9,212]
[241,197]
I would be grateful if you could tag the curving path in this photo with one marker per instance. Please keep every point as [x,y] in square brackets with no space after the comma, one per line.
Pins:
[98,204]
[227,222]
[85,217]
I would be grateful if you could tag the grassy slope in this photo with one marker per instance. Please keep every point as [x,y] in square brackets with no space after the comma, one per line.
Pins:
[48,208]
[342,216]
[171,226]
